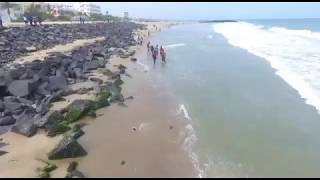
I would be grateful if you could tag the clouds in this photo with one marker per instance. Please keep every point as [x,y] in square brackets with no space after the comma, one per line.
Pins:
[211,10]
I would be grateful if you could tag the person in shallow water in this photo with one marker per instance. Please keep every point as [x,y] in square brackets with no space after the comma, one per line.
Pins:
[148,46]
[163,55]
[156,50]
[154,57]
[152,49]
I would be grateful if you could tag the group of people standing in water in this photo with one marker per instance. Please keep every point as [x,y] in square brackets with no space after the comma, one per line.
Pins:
[155,52]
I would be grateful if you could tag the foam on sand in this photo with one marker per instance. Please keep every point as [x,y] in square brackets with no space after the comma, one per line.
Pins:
[293,53]
[190,140]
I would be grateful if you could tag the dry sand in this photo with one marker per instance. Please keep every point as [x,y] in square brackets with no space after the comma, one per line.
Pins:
[153,150]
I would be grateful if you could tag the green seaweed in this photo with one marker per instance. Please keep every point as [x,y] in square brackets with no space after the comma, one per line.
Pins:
[73,116]
[46,170]
[102,100]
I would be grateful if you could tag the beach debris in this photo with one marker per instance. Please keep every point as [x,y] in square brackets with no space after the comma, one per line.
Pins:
[134,129]
[123,163]
[68,147]
[133,59]
[170,127]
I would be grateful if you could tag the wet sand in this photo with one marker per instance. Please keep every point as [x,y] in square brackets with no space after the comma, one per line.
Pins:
[153,150]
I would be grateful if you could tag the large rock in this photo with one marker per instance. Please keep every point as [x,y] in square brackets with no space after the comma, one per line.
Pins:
[68,147]
[25,124]
[43,89]
[77,109]
[79,105]
[20,88]
[48,119]
[13,107]
[7,120]
[91,65]
[1,106]
[57,82]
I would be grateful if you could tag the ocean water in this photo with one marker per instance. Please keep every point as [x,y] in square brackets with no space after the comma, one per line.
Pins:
[250,92]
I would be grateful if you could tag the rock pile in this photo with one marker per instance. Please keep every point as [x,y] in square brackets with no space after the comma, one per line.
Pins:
[17,41]
[27,90]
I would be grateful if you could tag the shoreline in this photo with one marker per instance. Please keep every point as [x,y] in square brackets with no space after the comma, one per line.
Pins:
[39,149]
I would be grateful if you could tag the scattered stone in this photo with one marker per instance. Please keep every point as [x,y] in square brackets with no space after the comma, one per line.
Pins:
[3,152]
[134,59]
[68,147]
[72,166]
[75,174]
[92,114]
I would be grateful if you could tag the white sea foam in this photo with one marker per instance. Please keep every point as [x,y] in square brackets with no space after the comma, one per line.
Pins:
[190,141]
[295,54]
[183,109]
[174,45]
[146,67]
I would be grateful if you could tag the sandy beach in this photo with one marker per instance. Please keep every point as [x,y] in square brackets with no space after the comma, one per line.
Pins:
[145,136]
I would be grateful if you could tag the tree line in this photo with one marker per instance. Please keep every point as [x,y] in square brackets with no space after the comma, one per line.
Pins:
[46,13]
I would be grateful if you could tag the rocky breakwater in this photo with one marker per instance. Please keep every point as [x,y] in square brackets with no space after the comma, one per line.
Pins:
[28,90]
[18,41]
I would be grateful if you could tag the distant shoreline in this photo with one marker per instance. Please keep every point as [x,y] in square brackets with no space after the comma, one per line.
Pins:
[217,21]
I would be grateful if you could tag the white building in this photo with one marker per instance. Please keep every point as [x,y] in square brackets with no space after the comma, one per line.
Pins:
[57,7]
[89,8]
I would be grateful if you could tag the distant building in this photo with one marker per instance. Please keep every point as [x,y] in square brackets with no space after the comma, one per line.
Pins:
[58,7]
[17,11]
[126,15]
[89,8]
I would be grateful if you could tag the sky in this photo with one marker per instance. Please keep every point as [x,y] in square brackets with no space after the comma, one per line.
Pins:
[213,10]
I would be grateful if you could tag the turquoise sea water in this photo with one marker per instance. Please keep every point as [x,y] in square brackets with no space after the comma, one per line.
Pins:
[248,120]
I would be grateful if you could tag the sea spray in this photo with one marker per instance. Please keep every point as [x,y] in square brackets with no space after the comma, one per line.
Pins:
[146,68]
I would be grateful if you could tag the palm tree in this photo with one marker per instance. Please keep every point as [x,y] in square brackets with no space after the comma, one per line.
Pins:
[8,6]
